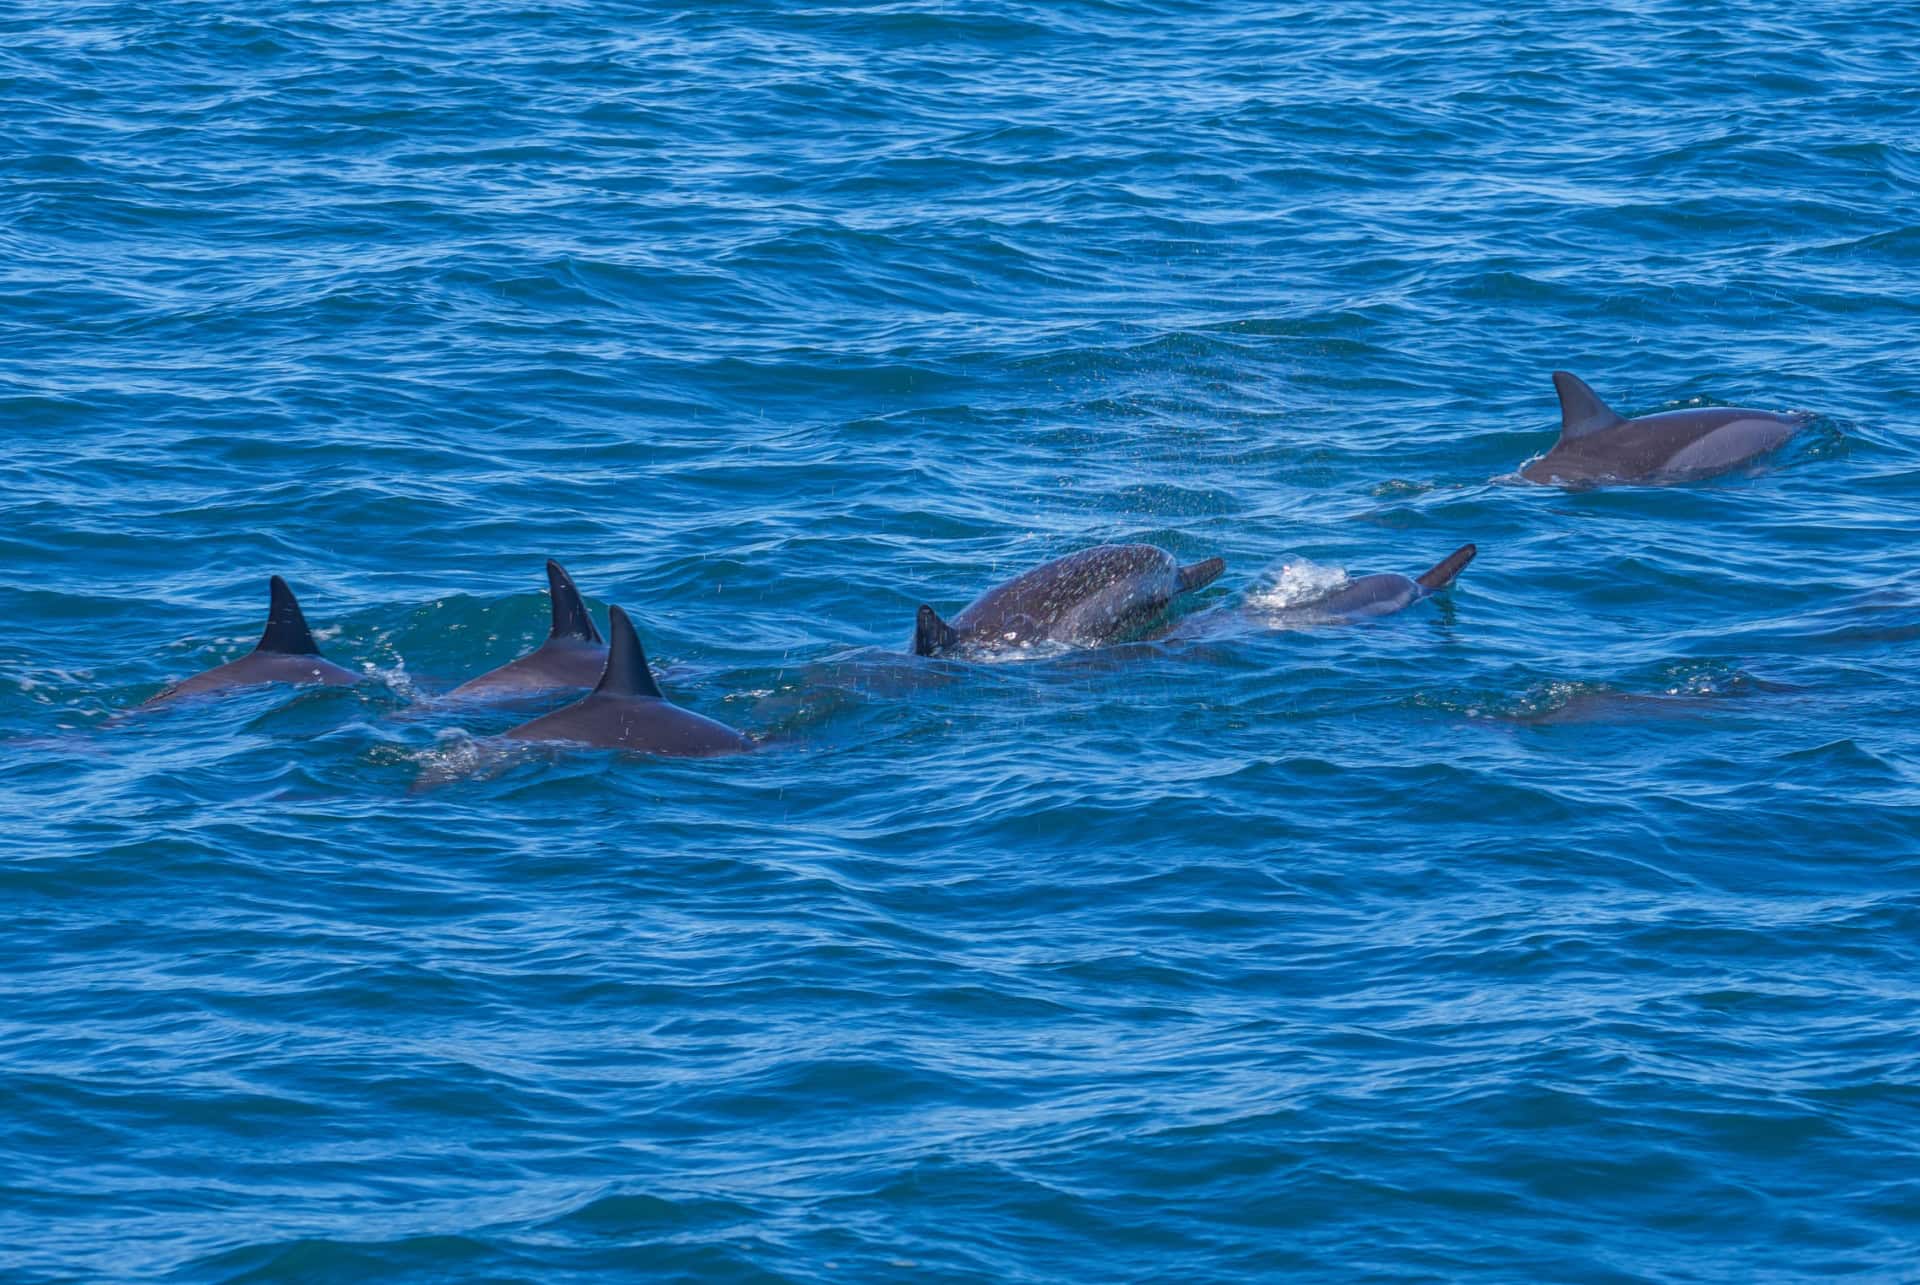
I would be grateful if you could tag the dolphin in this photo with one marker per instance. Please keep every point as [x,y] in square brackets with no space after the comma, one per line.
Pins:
[1357,599]
[1598,445]
[286,654]
[1095,596]
[1384,594]
[573,655]
[627,712]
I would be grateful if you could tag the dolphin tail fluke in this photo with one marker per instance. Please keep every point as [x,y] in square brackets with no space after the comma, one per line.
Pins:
[1448,569]
[571,618]
[626,673]
[286,633]
[1201,574]
[932,635]
[1581,410]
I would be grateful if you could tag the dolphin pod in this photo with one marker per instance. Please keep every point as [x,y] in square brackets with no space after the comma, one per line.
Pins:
[1094,597]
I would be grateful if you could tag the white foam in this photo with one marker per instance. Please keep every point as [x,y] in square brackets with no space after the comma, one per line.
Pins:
[1293,583]
[458,755]
[396,677]
[1039,649]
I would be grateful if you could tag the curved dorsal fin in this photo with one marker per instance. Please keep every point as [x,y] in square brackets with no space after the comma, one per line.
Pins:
[1444,572]
[287,633]
[1581,410]
[932,635]
[570,616]
[626,673]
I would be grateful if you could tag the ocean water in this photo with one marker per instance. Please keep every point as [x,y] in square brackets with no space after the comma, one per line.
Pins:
[1563,928]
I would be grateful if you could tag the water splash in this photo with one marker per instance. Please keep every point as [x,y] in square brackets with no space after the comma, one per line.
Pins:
[1294,583]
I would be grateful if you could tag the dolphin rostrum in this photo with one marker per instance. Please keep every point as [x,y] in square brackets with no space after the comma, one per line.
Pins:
[573,655]
[1599,445]
[286,654]
[627,712]
[1382,595]
[1099,595]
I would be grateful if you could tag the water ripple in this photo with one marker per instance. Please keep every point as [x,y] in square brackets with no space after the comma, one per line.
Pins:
[1560,929]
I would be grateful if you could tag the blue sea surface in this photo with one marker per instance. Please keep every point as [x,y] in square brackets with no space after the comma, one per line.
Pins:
[1565,927]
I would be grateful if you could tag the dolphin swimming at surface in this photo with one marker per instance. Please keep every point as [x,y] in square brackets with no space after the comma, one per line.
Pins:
[1388,592]
[1350,601]
[574,654]
[1099,595]
[626,710]
[285,654]
[1599,445]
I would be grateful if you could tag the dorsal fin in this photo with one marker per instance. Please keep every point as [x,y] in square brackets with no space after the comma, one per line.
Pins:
[287,633]
[626,673]
[932,635]
[570,616]
[1581,410]
[1445,571]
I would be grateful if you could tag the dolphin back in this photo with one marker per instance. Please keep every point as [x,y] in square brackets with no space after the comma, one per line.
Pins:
[1088,598]
[628,711]
[286,653]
